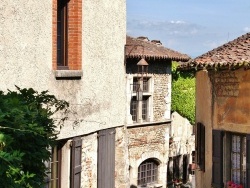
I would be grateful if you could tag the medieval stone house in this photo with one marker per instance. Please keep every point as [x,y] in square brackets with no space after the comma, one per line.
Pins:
[222,115]
[149,118]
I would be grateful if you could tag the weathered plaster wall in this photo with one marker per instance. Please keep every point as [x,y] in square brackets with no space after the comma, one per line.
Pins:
[26,60]
[227,110]
[232,104]
[89,161]
[204,115]
[148,142]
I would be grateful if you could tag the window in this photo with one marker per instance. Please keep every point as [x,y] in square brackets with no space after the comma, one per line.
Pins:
[230,157]
[144,108]
[238,159]
[200,146]
[173,173]
[67,34]
[62,30]
[145,84]
[53,179]
[147,172]
[57,167]
[135,109]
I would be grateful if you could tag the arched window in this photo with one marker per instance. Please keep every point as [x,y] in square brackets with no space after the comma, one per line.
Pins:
[147,172]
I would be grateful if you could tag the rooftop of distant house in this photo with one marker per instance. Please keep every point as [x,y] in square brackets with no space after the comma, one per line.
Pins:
[233,54]
[142,47]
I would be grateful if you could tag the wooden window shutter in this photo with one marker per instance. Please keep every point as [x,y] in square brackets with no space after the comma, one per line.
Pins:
[217,159]
[76,155]
[200,146]
[197,143]
[106,159]
[248,160]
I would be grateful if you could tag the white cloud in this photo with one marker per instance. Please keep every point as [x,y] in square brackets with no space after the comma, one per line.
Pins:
[176,28]
[247,29]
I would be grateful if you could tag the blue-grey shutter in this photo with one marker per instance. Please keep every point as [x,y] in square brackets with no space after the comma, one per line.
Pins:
[248,160]
[76,156]
[217,159]
[106,159]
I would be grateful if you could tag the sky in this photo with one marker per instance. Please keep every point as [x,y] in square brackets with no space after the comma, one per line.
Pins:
[191,27]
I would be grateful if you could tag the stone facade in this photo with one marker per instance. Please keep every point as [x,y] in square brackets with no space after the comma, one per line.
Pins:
[89,161]
[160,80]
[122,158]
[183,136]
[148,142]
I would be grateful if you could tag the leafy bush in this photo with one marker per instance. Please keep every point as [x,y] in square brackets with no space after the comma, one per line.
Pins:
[183,93]
[27,130]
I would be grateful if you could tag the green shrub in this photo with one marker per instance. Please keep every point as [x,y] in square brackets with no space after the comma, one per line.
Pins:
[27,130]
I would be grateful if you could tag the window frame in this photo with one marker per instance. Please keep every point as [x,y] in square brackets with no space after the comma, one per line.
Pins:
[62,34]
[241,152]
[200,146]
[67,38]
[148,172]
[134,108]
[222,158]
[73,170]
[147,99]
[55,167]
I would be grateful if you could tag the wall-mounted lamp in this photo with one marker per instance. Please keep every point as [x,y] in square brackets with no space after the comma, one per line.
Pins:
[142,71]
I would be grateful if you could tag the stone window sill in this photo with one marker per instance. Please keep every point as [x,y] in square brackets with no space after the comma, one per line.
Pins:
[68,74]
[148,123]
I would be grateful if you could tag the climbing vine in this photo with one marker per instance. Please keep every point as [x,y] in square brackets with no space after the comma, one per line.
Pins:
[183,93]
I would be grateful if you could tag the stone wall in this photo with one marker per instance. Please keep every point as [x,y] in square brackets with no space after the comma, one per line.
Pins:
[89,161]
[183,138]
[148,142]
[121,158]
[160,72]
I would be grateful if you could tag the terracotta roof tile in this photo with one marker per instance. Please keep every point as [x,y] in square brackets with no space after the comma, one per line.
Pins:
[142,47]
[232,54]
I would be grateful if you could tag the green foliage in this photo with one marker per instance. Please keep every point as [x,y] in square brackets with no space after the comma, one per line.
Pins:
[27,130]
[183,93]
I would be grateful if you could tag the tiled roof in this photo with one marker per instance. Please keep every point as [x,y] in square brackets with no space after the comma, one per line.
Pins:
[142,47]
[233,54]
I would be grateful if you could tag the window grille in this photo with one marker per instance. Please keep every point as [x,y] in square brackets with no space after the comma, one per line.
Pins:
[147,172]
[145,84]
[133,108]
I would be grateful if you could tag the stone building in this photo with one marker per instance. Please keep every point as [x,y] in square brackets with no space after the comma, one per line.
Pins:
[222,115]
[75,50]
[149,112]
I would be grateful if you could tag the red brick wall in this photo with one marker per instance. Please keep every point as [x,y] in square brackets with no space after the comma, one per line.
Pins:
[74,35]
